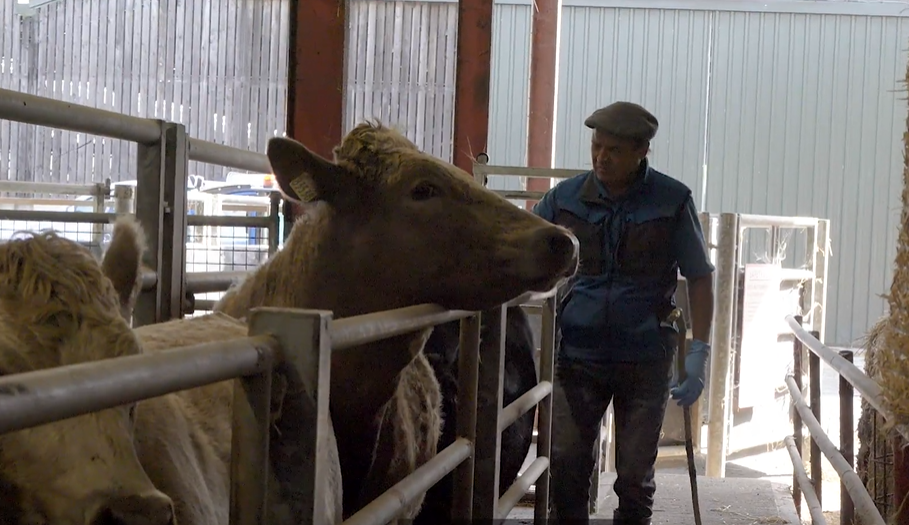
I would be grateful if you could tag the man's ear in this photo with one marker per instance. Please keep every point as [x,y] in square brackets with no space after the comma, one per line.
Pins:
[305,176]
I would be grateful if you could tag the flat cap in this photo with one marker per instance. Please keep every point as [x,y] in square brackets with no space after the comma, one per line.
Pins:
[624,119]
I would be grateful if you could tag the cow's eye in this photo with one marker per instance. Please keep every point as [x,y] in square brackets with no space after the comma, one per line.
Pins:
[423,191]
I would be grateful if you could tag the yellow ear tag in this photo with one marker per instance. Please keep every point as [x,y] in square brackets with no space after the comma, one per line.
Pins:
[305,189]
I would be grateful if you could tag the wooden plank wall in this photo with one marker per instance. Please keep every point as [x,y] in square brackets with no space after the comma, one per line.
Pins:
[400,69]
[217,66]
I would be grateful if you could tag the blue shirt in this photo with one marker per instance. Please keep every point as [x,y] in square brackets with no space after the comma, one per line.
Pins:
[631,252]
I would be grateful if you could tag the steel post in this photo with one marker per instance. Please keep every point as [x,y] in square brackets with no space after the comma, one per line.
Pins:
[305,342]
[720,363]
[847,439]
[468,375]
[488,442]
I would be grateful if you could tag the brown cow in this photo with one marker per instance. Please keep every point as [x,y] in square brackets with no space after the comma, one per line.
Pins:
[163,461]
[387,226]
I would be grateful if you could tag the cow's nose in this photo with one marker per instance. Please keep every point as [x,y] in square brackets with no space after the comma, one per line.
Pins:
[562,243]
[148,509]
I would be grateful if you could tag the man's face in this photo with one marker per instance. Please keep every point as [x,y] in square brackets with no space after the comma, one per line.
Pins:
[614,159]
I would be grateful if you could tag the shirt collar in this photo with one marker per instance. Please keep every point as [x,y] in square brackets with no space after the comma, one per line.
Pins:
[593,190]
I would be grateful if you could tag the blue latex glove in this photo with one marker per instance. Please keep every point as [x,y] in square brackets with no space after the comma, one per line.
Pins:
[695,370]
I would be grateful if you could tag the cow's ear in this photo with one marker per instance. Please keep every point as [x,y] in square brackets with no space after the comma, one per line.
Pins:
[303,175]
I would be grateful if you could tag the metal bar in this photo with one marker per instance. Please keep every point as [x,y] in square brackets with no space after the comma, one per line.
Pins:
[797,352]
[149,280]
[864,505]
[804,484]
[357,330]
[488,442]
[847,440]
[172,237]
[866,387]
[768,221]
[249,460]
[521,171]
[821,271]
[69,217]
[526,402]
[228,220]
[900,473]
[227,156]
[534,296]
[34,398]
[274,222]
[468,376]
[721,356]
[814,393]
[305,344]
[521,486]
[156,213]
[40,111]
[205,305]
[57,188]
[205,282]
[520,194]
[544,414]
[386,507]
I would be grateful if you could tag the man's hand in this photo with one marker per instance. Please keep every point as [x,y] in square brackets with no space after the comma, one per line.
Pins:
[695,370]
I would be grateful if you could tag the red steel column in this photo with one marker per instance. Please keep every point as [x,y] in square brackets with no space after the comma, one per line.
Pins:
[315,83]
[471,108]
[544,55]
[315,74]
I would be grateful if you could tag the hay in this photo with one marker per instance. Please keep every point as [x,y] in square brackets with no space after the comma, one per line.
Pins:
[872,439]
[893,358]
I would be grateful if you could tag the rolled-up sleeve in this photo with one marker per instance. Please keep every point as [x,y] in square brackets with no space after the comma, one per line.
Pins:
[690,246]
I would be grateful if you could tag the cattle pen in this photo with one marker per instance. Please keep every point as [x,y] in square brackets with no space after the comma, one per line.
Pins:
[39,397]
[169,291]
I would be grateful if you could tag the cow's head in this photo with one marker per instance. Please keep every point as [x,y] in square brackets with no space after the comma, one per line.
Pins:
[57,308]
[415,229]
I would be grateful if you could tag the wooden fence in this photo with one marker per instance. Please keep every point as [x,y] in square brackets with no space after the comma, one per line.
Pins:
[216,66]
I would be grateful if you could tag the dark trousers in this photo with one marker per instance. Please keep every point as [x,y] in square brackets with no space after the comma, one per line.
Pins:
[581,395]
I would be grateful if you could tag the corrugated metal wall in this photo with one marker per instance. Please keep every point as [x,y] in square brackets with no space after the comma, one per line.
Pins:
[655,57]
[806,118]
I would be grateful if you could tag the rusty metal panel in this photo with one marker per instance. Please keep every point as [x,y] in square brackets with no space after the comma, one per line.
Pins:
[655,57]
[805,118]
[216,66]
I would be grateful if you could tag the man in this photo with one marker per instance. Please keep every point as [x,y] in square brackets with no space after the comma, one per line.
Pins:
[637,228]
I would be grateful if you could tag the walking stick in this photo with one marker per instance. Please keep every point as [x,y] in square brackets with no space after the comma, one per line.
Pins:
[686,412]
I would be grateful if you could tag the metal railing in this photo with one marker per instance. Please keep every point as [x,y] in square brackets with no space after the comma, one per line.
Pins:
[855,499]
[163,153]
[311,336]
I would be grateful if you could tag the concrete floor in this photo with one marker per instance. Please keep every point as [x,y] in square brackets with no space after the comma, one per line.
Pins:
[730,501]
[757,487]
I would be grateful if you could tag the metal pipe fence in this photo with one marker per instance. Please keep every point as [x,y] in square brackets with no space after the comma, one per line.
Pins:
[310,337]
[163,153]
[855,500]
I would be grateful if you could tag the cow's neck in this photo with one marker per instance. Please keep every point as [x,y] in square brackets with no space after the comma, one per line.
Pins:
[363,379]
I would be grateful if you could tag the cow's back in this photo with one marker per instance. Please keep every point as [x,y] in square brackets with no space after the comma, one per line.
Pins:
[193,429]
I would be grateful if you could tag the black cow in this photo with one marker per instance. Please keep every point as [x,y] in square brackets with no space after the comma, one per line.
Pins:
[520,376]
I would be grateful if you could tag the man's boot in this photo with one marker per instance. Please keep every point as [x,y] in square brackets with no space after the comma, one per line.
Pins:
[619,519]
